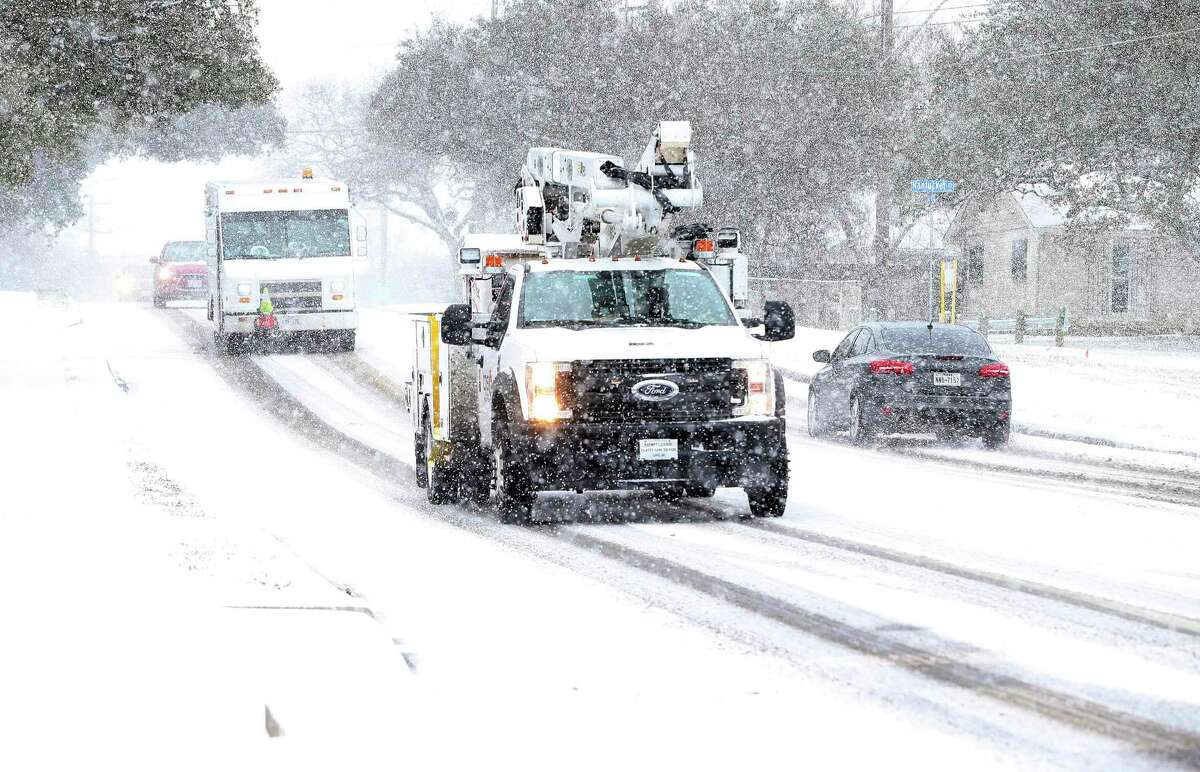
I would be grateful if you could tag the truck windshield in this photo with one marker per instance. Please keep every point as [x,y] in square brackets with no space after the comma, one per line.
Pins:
[265,235]
[185,251]
[578,299]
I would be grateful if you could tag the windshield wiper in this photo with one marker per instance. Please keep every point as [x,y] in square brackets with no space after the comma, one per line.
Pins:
[645,321]
[569,324]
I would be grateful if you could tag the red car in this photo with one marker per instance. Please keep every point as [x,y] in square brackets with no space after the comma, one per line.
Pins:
[181,272]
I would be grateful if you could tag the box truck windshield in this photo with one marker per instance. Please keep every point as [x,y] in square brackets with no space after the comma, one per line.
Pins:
[279,234]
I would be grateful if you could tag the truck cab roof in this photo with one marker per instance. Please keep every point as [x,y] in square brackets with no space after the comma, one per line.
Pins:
[278,195]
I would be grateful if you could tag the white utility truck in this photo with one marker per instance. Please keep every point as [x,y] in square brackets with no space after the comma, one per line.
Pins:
[592,353]
[281,261]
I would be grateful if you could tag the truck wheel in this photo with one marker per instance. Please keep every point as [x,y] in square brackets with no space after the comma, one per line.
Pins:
[817,425]
[514,491]
[441,483]
[862,432]
[228,344]
[419,467]
[770,500]
[159,302]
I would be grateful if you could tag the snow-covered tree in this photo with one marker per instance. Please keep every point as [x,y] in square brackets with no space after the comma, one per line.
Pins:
[84,80]
[1095,103]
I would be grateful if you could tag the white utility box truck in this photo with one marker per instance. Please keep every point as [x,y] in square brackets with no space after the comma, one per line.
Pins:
[282,257]
[591,353]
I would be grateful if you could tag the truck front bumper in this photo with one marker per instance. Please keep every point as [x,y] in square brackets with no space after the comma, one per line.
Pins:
[607,456]
[295,321]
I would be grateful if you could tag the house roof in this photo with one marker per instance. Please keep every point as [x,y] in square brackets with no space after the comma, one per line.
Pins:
[1040,208]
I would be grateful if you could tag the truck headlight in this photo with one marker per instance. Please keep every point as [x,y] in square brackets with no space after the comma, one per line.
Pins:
[244,289]
[541,386]
[760,388]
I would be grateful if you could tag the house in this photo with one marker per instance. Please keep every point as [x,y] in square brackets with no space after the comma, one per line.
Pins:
[1019,253]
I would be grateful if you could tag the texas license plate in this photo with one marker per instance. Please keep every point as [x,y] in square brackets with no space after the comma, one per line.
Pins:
[658,450]
[947,379]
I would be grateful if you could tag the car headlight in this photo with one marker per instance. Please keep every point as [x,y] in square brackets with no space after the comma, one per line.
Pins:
[541,386]
[166,272]
[760,388]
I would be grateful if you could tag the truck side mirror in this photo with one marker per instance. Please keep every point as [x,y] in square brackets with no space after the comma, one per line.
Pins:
[779,321]
[456,325]
[821,356]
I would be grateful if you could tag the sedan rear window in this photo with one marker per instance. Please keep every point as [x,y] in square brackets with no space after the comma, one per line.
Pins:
[940,341]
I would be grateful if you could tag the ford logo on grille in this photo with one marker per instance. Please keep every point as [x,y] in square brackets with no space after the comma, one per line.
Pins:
[655,390]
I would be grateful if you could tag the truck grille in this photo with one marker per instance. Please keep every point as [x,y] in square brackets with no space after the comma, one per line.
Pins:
[603,390]
[293,295]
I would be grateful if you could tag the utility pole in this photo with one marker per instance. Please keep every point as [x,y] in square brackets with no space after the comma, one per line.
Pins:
[883,172]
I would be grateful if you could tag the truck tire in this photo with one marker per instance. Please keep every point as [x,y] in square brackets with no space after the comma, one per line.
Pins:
[228,343]
[441,482]
[514,491]
[422,472]
[159,301]
[770,500]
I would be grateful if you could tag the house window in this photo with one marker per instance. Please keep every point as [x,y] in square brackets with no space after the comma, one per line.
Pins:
[1020,257]
[975,265]
[1120,278]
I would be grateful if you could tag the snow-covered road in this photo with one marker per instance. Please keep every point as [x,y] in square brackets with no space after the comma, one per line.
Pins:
[915,607]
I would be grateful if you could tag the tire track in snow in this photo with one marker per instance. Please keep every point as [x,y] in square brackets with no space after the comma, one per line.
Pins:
[1159,619]
[1146,735]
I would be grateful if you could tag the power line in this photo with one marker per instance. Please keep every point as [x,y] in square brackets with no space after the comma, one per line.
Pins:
[938,24]
[926,10]
[1110,44]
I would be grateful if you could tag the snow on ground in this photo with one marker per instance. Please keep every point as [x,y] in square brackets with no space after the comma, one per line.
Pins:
[137,620]
[1125,396]
[181,498]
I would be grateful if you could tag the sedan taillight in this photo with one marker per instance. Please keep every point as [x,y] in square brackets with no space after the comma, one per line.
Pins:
[891,367]
[994,370]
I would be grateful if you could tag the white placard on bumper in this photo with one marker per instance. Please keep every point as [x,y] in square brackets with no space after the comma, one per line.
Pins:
[658,450]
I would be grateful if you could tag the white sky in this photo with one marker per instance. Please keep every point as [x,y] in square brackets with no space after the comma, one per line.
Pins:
[142,204]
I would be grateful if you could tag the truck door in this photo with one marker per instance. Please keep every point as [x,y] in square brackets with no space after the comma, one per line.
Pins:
[488,357]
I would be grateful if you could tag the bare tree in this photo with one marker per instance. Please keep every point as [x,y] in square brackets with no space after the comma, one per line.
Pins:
[329,131]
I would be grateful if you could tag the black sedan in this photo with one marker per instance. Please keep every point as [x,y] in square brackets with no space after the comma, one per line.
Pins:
[911,377]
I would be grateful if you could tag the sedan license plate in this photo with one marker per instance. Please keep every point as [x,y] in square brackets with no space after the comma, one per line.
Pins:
[947,379]
[658,450]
